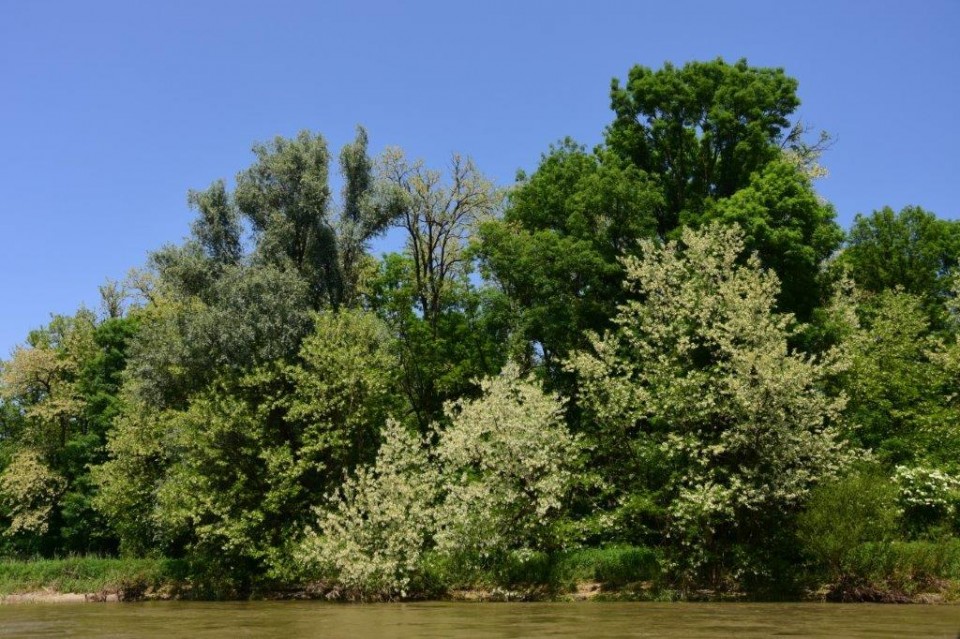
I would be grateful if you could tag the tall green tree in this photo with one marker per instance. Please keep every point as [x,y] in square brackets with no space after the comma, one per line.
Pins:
[555,252]
[789,227]
[450,330]
[360,220]
[898,387]
[705,142]
[703,128]
[286,197]
[439,361]
[437,213]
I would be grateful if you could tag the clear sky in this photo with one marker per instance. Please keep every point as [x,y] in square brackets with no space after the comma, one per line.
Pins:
[110,111]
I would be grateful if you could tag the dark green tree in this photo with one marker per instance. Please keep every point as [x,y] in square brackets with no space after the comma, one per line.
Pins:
[912,249]
[59,396]
[703,129]
[789,227]
[442,359]
[555,252]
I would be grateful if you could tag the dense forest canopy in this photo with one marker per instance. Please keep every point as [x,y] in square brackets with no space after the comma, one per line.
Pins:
[665,342]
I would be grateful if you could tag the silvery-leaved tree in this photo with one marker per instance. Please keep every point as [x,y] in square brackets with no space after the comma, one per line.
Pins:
[697,400]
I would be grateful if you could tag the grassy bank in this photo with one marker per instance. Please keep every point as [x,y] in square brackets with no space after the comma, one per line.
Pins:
[898,571]
[615,572]
[128,579]
[916,571]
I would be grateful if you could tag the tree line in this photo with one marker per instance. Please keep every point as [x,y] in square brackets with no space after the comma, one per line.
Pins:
[665,342]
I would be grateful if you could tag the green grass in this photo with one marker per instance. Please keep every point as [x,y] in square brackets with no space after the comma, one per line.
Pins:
[906,562]
[612,567]
[90,575]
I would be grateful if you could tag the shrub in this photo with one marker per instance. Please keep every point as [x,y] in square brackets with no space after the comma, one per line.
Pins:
[844,514]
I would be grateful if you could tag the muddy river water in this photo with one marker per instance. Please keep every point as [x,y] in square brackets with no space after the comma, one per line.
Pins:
[287,620]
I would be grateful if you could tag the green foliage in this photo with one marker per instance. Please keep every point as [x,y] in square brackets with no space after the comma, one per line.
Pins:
[929,499]
[911,249]
[905,566]
[439,362]
[232,477]
[285,406]
[60,393]
[896,382]
[102,376]
[611,566]
[495,484]
[131,577]
[845,513]
[139,456]
[697,396]
[29,491]
[704,129]
[378,525]
[689,146]
[555,252]
[249,316]
[218,227]
[788,226]
[436,212]
[362,217]
[286,197]
[507,462]
[343,389]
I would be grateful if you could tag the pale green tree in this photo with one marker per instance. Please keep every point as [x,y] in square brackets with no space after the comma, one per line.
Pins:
[497,481]
[898,383]
[286,197]
[29,489]
[217,227]
[364,215]
[437,212]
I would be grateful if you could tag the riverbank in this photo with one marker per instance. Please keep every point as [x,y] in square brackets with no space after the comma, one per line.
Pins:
[584,592]
[894,574]
[91,579]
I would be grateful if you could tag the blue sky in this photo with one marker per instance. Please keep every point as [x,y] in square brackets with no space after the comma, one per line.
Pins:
[110,111]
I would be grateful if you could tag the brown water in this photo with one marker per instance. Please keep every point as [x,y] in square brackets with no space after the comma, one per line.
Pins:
[453,620]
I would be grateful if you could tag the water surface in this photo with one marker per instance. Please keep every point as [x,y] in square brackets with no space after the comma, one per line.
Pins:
[288,620]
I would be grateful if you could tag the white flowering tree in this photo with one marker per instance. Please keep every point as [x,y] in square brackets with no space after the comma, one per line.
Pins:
[373,534]
[495,482]
[507,460]
[697,397]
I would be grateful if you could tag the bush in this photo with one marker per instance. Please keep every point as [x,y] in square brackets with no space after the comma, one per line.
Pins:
[844,514]
[928,498]
[372,537]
